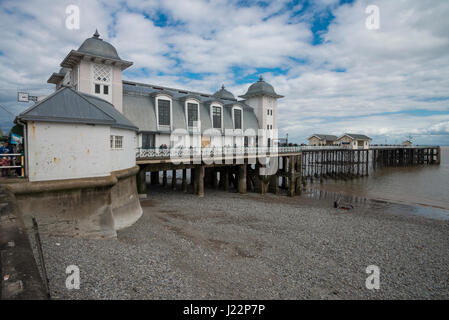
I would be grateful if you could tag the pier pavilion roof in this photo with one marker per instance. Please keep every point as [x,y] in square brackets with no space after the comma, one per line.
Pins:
[139,107]
[356,136]
[95,49]
[327,137]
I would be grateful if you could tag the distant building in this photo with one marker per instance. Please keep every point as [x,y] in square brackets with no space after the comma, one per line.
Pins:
[407,143]
[354,141]
[322,140]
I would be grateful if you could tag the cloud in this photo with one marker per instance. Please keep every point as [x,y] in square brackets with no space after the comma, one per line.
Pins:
[354,80]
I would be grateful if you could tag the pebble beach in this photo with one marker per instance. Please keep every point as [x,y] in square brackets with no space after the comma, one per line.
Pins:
[233,246]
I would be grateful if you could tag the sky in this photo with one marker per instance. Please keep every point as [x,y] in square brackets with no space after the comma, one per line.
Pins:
[337,75]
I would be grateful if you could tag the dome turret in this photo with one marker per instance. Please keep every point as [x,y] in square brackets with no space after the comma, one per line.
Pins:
[97,47]
[224,94]
[260,88]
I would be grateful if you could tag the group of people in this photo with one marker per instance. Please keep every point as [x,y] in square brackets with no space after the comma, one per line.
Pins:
[8,161]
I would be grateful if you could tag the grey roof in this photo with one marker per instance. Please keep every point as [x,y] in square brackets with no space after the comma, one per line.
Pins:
[224,94]
[69,106]
[327,137]
[260,88]
[56,77]
[139,107]
[356,136]
[97,47]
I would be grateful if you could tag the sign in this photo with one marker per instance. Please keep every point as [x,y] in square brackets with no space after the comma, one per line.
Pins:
[22,97]
[16,139]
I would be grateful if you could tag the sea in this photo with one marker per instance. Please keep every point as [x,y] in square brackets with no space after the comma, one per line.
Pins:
[425,188]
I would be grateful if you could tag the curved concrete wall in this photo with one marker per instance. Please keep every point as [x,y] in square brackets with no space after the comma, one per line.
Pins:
[88,207]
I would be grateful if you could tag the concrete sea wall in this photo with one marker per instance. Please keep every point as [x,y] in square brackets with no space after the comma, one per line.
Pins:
[86,207]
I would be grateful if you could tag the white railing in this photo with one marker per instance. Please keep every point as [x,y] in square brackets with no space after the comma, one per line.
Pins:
[401,147]
[12,161]
[179,153]
[155,153]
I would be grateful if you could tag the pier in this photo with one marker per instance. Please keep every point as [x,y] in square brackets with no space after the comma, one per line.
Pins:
[262,169]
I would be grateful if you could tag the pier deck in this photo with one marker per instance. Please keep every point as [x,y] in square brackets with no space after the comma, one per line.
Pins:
[266,169]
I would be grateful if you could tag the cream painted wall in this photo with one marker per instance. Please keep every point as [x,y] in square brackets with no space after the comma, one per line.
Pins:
[260,105]
[68,151]
[314,141]
[86,84]
[124,158]
[117,88]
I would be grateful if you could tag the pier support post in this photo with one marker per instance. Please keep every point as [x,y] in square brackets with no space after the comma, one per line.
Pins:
[242,179]
[192,176]
[164,178]
[198,185]
[141,182]
[173,180]
[438,155]
[215,178]
[155,177]
[226,179]
[184,180]
[299,174]
[367,163]
[291,177]
[284,169]
[274,184]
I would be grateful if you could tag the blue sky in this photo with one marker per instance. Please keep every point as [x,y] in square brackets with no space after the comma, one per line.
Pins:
[336,75]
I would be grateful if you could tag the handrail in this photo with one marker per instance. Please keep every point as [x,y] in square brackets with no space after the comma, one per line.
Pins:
[182,152]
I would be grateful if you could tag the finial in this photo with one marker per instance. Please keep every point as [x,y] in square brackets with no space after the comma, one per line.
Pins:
[260,78]
[96,34]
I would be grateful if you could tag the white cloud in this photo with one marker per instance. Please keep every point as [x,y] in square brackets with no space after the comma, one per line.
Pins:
[401,67]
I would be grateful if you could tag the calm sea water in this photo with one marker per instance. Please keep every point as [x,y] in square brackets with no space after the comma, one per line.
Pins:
[426,185]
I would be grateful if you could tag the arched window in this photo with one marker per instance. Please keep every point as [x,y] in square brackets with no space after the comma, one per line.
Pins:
[192,108]
[237,117]
[164,112]
[216,112]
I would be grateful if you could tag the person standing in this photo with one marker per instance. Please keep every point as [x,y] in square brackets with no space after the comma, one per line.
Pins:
[5,160]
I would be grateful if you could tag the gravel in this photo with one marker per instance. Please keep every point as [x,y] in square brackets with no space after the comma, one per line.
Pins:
[232,246]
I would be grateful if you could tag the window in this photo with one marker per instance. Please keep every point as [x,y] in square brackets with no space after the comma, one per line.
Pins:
[147,140]
[192,114]
[97,88]
[216,117]
[268,127]
[271,112]
[106,89]
[238,119]
[102,72]
[116,142]
[163,112]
